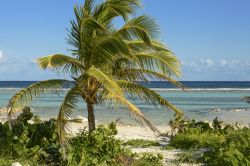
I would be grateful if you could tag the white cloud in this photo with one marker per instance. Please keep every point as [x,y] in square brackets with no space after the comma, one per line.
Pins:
[223,62]
[221,65]
[209,62]
[200,65]
[206,62]
[221,69]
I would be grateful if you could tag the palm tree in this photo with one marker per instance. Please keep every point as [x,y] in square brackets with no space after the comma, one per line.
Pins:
[106,63]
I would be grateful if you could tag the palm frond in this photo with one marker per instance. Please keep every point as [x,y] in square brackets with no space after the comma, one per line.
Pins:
[144,74]
[107,81]
[131,74]
[25,96]
[162,61]
[107,47]
[74,38]
[141,46]
[67,107]
[88,6]
[89,24]
[61,62]
[140,28]
[90,29]
[147,95]
[108,10]
[134,111]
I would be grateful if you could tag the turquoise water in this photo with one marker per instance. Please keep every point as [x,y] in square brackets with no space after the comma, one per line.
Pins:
[202,104]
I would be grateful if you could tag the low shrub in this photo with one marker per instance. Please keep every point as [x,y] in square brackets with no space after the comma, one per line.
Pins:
[141,143]
[30,139]
[235,150]
[98,147]
[196,138]
[228,145]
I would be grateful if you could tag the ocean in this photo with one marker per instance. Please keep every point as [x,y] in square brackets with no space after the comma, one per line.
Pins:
[204,100]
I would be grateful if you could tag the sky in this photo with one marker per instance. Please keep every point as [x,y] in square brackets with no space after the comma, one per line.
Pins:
[210,37]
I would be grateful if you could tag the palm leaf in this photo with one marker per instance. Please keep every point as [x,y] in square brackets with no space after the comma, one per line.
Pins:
[90,24]
[133,110]
[61,62]
[140,28]
[67,107]
[141,46]
[25,96]
[108,10]
[105,80]
[147,95]
[141,75]
[160,60]
[107,47]
[88,6]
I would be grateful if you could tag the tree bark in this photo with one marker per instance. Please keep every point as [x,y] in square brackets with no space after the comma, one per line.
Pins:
[91,116]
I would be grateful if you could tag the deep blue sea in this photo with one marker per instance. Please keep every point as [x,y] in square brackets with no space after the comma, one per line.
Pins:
[204,100]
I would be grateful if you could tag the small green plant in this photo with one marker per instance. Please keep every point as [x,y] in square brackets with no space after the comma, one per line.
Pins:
[176,124]
[155,159]
[98,147]
[141,143]
[148,159]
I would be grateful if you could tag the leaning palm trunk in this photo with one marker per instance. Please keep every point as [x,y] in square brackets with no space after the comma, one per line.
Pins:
[91,116]
[106,64]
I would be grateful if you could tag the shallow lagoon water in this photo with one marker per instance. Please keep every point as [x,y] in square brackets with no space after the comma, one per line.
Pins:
[199,103]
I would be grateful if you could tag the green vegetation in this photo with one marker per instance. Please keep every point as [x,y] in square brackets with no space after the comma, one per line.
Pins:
[97,148]
[141,143]
[35,143]
[148,159]
[228,145]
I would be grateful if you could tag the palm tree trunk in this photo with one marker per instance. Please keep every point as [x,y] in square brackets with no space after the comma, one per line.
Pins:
[91,116]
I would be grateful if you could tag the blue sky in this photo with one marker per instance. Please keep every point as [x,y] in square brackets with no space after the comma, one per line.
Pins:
[210,37]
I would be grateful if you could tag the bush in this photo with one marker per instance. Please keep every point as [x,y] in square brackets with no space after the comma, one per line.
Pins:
[196,138]
[229,145]
[234,151]
[98,147]
[37,141]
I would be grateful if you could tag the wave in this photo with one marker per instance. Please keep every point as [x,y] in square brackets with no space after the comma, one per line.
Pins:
[202,89]
[231,110]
